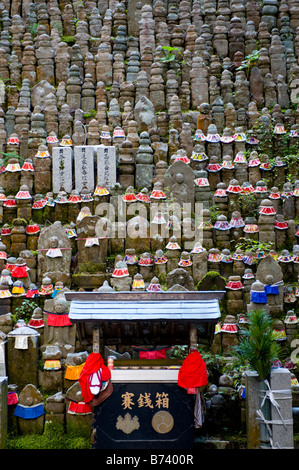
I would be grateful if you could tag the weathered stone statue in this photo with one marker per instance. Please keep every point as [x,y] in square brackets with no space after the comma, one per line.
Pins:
[54,254]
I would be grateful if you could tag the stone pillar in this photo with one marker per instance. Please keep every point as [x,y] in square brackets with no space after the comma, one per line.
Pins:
[266,222]
[50,378]
[229,333]
[220,199]
[12,176]
[199,265]
[55,409]
[144,162]
[126,176]
[73,87]
[254,173]
[222,232]
[37,134]
[18,238]
[214,259]
[42,174]
[207,230]
[235,304]
[156,87]
[202,189]
[282,435]
[227,172]
[226,264]
[45,59]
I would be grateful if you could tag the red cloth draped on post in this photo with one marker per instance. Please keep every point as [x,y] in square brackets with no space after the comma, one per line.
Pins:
[193,372]
[93,364]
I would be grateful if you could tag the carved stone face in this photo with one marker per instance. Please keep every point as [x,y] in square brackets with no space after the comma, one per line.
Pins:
[53,242]
[60,306]
[179,178]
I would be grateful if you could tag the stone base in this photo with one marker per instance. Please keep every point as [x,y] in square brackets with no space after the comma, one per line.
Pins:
[144,176]
[50,380]
[89,281]
[31,426]
[79,425]
[55,419]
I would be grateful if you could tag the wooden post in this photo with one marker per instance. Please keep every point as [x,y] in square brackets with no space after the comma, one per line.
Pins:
[96,338]
[252,404]
[193,334]
[3,412]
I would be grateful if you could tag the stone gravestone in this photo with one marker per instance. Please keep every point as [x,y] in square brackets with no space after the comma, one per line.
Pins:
[84,167]
[181,277]
[22,348]
[62,171]
[134,16]
[92,247]
[54,254]
[179,183]
[64,337]
[106,166]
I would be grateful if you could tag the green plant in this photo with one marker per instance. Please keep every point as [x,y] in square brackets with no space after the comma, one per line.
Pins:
[235,371]
[170,57]
[249,61]
[246,244]
[247,204]
[5,156]
[70,40]
[258,347]
[90,114]
[33,29]
[214,211]
[24,312]
[179,352]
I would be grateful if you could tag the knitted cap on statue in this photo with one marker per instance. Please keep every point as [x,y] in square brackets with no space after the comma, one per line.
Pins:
[193,372]
[94,365]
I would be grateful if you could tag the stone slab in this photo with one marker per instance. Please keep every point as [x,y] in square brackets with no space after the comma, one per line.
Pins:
[62,172]
[84,167]
[106,165]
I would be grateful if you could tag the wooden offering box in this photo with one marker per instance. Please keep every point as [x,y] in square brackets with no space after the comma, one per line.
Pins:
[147,409]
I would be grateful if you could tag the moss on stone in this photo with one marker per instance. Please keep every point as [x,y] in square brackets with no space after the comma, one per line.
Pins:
[209,278]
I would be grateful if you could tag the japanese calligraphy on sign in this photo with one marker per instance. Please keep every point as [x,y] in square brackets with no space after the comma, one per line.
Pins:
[145,400]
[84,167]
